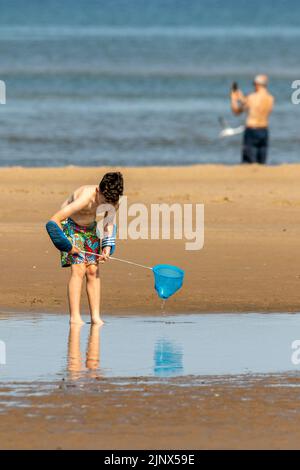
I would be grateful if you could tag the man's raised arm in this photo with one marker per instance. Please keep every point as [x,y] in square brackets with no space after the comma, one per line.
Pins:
[238,102]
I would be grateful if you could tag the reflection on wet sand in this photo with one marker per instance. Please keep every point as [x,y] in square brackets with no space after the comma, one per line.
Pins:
[75,363]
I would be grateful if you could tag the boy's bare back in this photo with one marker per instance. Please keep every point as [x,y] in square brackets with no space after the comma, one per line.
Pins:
[89,199]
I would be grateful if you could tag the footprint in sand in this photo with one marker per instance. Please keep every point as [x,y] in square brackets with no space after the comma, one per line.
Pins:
[222,200]
[36,301]
[286,202]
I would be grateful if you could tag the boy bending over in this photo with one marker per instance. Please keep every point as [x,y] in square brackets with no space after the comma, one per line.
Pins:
[75,225]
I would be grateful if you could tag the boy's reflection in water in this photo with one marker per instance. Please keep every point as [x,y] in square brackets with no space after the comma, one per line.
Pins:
[75,361]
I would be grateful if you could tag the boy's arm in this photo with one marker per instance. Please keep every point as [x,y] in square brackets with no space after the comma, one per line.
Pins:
[61,215]
[109,238]
[70,209]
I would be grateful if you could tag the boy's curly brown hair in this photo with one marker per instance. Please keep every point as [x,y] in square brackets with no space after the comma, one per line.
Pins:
[112,187]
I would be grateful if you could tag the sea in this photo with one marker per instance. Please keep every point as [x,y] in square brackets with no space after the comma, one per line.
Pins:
[141,82]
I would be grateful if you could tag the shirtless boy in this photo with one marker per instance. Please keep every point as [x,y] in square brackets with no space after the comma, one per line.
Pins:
[77,220]
[258,106]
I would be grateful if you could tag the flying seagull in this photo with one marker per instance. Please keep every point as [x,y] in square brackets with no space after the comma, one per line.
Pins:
[228,131]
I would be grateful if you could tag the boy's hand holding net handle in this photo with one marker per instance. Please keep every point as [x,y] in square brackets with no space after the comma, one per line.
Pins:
[118,259]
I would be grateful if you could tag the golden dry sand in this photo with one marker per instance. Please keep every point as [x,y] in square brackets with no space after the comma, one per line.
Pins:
[250,261]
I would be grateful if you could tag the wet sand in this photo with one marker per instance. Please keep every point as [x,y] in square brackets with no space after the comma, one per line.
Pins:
[257,413]
[249,262]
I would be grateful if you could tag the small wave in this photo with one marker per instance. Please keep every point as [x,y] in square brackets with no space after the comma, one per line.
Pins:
[159,72]
[19,33]
[37,140]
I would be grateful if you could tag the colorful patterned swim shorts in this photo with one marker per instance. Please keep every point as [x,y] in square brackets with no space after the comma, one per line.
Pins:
[85,238]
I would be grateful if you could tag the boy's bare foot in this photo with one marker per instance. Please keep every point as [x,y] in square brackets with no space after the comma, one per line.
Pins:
[97,321]
[76,321]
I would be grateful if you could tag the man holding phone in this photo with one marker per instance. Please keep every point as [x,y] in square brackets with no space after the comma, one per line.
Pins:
[258,106]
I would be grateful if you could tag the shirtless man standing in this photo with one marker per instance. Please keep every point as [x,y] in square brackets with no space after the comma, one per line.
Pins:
[77,219]
[258,106]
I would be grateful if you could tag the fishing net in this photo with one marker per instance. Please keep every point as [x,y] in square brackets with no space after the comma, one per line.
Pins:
[168,280]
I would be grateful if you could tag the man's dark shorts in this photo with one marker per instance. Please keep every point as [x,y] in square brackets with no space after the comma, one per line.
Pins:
[255,146]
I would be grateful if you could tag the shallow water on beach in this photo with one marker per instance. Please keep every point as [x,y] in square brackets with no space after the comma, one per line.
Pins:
[44,348]
[141,83]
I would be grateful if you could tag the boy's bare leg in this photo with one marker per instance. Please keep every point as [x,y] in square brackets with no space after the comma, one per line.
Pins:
[93,293]
[74,292]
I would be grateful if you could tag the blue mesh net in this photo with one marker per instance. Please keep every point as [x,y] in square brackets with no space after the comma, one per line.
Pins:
[168,280]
